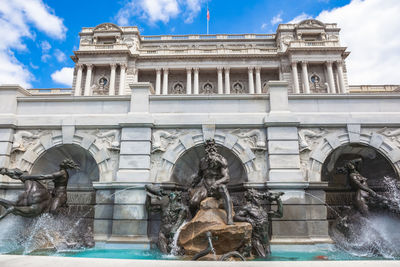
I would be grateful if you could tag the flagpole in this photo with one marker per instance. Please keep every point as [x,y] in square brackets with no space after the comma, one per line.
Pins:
[208,18]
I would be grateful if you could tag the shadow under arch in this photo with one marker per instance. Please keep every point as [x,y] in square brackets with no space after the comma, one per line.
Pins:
[50,160]
[375,165]
[188,164]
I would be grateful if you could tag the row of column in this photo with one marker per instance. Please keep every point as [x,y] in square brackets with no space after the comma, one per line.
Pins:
[89,69]
[163,88]
[329,70]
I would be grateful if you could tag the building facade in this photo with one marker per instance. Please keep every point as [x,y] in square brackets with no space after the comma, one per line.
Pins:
[278,105]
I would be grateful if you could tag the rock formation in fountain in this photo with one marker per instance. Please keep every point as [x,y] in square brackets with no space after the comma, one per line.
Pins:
[212,218]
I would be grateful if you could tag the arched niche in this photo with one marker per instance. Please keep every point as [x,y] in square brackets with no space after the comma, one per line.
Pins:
[188,164]
[50,160]
[375,166]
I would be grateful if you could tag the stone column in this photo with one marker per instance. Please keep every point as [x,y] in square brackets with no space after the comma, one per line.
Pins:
[339,66]
[331,80]
[88,89]
[188,81]
[129,219]
[220,82]
[306,84]
[196,81]
[251,80]
[78,82]
[296,88]
[258,81]
[111,90]
[165,82]
[122,79]
[135,75]
[227,82]
[158,81]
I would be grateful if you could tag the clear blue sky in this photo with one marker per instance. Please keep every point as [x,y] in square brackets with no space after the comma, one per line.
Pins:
[42,43]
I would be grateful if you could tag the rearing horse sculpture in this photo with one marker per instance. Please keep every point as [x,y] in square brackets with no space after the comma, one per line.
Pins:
[36,198]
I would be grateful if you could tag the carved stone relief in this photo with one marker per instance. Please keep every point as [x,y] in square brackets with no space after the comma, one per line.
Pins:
[255,138]
[392,134]
[24,140]
[163,138]
[309,140]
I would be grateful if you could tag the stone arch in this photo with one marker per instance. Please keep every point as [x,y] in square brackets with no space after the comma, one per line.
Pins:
[353,136]
[82,179]
[59,138]
[188,141]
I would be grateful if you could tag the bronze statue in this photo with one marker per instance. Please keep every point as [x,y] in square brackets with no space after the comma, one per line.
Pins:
[211,181]
[365,197]
[173,214]
[254,213]
[36,198]
[359,183]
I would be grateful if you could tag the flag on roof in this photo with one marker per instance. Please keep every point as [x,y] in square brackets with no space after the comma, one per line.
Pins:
[208,14]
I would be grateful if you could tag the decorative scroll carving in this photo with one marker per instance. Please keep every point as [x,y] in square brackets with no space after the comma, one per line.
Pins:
[22,140]
[112,138]
[307,137]
[162,139]
[392,134]
[255,138]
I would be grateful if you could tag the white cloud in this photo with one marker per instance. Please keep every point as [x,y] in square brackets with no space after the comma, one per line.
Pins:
[45,46]
[264,25]
[159,10]
[63,76]
[276,19]
[18,18]
[12,71]
[300,18]
[371,31]
[60,56]
[45,57]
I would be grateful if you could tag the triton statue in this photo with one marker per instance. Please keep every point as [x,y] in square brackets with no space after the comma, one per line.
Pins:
[254,213]
[365,197]
[173,214]
[211,181]
[36,199]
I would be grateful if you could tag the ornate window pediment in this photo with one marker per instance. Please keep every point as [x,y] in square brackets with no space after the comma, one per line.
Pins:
[107,27]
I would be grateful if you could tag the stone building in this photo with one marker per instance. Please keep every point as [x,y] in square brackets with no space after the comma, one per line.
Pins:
[140,108]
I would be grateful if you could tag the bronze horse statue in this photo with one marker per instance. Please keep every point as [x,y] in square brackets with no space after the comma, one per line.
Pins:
[36,198]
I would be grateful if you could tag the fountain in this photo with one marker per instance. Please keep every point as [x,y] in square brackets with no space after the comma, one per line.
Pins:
[201,221]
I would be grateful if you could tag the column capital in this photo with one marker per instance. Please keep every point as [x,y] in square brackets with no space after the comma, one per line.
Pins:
[89,66]
[79,65]
[294,63]
[227,69]
[158,70]
[250,69]
[339,63]
[189,70]
[329,62]
[196,69]
[113,65]
[165,70]
[220,68]
[304,62]
[258,69]
[123,65]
